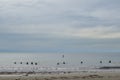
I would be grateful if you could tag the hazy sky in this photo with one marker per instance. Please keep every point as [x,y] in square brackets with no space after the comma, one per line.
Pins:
[70,26]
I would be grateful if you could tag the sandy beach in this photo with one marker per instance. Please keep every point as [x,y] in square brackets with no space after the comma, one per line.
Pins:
[83,75]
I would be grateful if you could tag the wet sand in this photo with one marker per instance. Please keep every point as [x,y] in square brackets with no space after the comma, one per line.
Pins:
[84,75]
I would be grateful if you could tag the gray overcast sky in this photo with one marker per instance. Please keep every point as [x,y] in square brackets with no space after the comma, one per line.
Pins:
[71,26]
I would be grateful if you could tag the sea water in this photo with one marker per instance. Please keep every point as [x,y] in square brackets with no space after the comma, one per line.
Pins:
[26,61]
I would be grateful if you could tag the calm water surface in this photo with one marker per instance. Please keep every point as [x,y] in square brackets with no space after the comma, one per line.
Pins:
[51,59]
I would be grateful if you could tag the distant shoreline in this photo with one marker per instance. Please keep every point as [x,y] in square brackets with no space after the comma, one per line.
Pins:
[110,67]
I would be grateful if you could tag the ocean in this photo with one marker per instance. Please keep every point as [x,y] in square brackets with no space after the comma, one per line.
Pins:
[57,60]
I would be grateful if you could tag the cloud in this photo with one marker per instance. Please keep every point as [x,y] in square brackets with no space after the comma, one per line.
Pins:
[45,43]
[99,32]
[96,32]
[41,23]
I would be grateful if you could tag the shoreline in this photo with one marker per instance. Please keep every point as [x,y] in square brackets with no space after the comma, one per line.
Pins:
[80,75]
[47,73]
